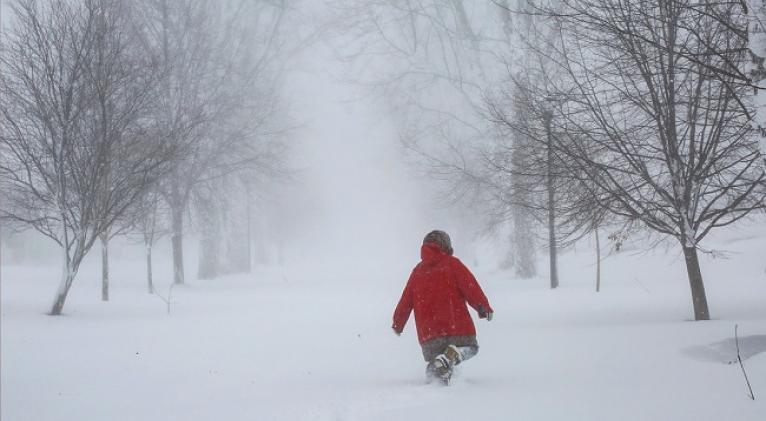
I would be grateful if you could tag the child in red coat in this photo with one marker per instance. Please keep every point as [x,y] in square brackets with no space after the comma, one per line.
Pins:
[438,289]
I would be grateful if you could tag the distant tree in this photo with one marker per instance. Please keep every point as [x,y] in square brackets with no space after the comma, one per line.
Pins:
[530,175]
[218,90]
[148,219]
[445,63]
[434,61]
[210,207]
[532,178]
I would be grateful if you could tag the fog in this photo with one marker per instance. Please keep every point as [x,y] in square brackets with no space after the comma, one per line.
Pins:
[351,201]
[358,207]
[352,204]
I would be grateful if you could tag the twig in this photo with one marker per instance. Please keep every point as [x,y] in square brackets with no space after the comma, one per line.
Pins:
[739,358]
[168,300]
[642,286]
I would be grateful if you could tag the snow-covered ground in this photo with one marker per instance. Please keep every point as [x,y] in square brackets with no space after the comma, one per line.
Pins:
[284,344]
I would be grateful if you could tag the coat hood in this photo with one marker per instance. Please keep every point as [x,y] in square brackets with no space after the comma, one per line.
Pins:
[431,253]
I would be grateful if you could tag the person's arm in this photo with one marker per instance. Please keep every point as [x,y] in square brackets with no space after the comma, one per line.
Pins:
[471,290]
[403,309]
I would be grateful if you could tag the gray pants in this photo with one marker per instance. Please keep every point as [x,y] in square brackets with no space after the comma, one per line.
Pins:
[467,346]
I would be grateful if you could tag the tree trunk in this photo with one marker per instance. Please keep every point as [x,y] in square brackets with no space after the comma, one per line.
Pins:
[150,285]
[554,276]
[209,253]
[509,262]
[505,13]
[104,267]
[598,262]
[178,245]
[523,244]
[465,23]
[67,277]
[699,299]
[1,251]
[209,264]
[249,265]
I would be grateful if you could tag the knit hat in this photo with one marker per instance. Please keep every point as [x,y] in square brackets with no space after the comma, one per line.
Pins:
[441,238]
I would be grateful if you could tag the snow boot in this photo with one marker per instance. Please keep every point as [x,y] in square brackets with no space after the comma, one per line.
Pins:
[442,369]
[442,366]
[454,355]
[431,373]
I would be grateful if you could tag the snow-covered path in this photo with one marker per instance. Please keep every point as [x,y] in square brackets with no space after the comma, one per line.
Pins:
[281,346]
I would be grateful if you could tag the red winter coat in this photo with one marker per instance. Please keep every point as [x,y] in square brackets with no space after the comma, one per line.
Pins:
[438,289]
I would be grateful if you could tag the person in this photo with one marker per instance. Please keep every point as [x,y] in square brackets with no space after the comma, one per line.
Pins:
[437,291]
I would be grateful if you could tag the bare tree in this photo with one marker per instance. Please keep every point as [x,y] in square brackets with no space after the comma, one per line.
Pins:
[756,42]
[178,32]
[148,218]
[210,206]
[655,120]
[62,170]
[531,178]
[214,70]
[528,173]
[122,78]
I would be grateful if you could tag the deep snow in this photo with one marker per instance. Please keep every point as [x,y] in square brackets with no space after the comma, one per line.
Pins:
[311,339]
[288,344]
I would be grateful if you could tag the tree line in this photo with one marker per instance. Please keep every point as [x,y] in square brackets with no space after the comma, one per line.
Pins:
[131,117]
[563,118]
